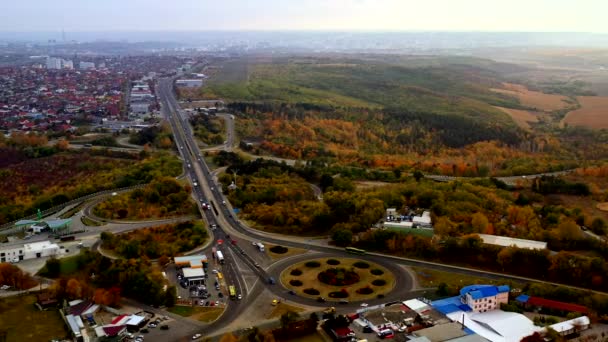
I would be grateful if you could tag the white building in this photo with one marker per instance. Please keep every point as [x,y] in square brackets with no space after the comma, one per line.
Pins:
[482,298]
[54,63]
[506,241]
[18,252]
[86,65]
[189,83]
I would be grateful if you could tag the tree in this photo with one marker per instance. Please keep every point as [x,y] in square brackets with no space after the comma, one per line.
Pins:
[342,237]
[480,222]
[288,318]
[170,296]
[53,267]
[598,226]
[73,289]
[418,175]
[505,257]
[568,230]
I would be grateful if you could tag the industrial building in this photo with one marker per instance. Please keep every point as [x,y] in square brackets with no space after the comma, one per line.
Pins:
[193,267]
[506,241]
[19,252]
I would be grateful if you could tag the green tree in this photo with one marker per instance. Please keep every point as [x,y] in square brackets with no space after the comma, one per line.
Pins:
[53,267]
[342,237]
[288,318]
[170,296]
[598,226]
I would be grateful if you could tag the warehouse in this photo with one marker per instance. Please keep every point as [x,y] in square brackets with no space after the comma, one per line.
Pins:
[194,276]
[19,252]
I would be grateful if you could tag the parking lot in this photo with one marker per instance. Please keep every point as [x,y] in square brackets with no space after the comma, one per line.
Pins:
[210,293]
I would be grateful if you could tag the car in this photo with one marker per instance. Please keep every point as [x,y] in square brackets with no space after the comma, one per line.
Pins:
[152,325]
[292,292]
[321,300]
[343,301]
[221,295]
[214,271]
[5,287]
[367,329]
[364,305]
[275,302]
[197,336]
[239,297]
[130,335]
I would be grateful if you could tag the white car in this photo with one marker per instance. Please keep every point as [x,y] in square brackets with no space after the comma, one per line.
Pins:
[197,336]
[364,305]
[215,271]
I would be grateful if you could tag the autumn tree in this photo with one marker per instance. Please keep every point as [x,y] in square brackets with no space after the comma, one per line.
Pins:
[479,222]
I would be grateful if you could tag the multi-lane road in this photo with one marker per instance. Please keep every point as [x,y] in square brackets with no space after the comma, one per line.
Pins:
[242,256]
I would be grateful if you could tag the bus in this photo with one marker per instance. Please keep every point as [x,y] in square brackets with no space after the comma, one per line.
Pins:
[353,250]
[232,291]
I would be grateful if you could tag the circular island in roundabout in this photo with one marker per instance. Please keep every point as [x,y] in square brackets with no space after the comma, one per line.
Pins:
[338,279]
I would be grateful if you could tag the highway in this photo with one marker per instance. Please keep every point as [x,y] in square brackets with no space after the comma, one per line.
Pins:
[207,191]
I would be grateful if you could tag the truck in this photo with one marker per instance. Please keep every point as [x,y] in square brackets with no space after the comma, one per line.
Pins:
[259,245]
[219,256]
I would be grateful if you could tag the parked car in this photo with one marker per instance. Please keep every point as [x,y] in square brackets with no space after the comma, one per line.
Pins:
[239,297]
[197,336]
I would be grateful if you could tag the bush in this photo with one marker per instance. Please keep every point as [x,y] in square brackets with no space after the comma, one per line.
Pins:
[312,264]
[377,271]
[311,291]
[379,282]
[365,290]
[295,282]
[279,249]
[338,294]
[338,277]
[361,264]
[296,272]
[333,262]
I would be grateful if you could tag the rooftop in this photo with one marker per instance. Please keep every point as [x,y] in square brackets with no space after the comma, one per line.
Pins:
[190,273]
[483,291]
[442,332]
[497,325]
[506,241]
[552,304]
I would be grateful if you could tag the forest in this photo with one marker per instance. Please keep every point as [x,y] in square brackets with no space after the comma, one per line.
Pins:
[161,242]
[162,197]
[42,177]
[134,278]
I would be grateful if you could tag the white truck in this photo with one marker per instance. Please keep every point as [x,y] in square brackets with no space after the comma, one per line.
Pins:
[219,256]
[259,245]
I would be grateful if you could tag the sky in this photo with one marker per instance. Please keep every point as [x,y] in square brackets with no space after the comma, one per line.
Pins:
[339,15]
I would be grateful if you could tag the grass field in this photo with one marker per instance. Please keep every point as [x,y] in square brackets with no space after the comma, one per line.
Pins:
[200,313]
[24,322]
[428,278]
[283,308]
[310,280]
[290,252]
[523,118]
[593,113]
[533,99]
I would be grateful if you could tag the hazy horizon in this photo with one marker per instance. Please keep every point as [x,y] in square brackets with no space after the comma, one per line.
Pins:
[306,15]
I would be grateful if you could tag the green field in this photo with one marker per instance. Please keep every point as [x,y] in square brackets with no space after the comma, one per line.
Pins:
[22,321]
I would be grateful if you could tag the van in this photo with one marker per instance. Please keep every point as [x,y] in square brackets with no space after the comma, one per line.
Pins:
[386,333]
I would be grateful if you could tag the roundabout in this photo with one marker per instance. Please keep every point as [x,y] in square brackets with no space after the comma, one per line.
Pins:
[338,278]
[315,278]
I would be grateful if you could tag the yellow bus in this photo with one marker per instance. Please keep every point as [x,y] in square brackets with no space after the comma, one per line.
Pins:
[232,291]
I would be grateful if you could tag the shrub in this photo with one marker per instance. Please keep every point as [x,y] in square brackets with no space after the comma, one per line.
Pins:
[312,264]
[361,264]
[296,272]
[295,282]
[338,294]
[279,249]
[365,290]
[377,271]
[379,282]
[311,291]
[333,262]
[338,277]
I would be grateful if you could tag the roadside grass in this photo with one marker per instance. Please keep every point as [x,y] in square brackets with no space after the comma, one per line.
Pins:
[68,266]
[72,211]
[22,321]
[428,278]
[309,279]
[290,252]
[200,313]
[283,308]
[91,223]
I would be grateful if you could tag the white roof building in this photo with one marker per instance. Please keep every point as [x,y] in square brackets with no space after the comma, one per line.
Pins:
[569,327]
[506,241]
[416,305]
[497,325]
[193,273]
